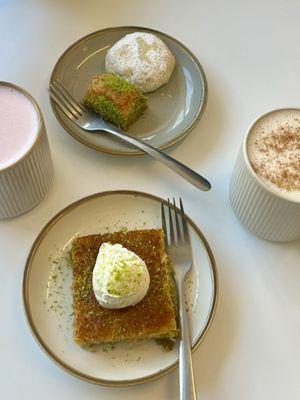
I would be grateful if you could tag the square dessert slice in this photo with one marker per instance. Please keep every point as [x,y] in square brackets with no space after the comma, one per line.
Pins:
[116,100]
[153,317]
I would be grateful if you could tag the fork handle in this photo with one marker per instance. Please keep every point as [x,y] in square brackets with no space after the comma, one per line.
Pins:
[186,375]
[185,172]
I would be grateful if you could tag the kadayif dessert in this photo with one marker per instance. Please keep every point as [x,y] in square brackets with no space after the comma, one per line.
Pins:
[142,59]
[150,315]
[115,100]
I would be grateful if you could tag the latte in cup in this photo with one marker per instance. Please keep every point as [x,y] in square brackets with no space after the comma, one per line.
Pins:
[265,184]
[273,147]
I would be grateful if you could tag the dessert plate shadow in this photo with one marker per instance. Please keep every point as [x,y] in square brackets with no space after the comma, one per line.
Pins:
[173,110]
[48,299]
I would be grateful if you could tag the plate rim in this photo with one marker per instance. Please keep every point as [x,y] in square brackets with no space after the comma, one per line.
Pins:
[99,148]
[35,332]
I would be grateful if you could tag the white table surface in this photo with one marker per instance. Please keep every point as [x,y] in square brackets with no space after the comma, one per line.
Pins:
[251,54]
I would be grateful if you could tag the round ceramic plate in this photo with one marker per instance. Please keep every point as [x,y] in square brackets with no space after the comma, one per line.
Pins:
[48,299]
[173,110]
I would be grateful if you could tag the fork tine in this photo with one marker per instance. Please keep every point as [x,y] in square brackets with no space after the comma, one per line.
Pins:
[178,232]
[61,105]
[163,222]
[63,100]
[184,224]
[172,236]
[80,108]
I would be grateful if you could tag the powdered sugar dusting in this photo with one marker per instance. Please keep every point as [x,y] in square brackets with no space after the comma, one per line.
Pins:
[142,59]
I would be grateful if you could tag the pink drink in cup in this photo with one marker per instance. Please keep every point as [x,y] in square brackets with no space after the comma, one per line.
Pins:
[25,161]
[19,125]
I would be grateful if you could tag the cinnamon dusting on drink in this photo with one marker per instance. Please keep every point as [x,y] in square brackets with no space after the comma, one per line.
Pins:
[276,154]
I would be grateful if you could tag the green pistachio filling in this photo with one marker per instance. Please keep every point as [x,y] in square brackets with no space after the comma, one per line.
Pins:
[106,109]
[110,110]
[118,84]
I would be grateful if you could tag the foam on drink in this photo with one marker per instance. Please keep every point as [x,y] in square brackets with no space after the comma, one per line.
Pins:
[274,151]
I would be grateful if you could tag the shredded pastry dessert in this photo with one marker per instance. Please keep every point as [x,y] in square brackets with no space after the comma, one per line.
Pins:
[116,100]
[153,317]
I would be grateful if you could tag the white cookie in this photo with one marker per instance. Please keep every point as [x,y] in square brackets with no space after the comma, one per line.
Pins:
[142,59]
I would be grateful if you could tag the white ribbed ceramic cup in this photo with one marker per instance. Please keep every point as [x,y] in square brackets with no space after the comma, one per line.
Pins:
[261,209]
[24,183]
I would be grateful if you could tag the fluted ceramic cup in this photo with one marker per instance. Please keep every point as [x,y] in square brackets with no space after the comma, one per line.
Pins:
[261,209]
[24,183]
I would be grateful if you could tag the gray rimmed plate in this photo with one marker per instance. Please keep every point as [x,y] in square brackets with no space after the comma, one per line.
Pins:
[173,110]
[48,299]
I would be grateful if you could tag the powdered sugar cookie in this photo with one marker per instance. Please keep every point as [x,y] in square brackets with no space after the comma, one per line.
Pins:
[142,59]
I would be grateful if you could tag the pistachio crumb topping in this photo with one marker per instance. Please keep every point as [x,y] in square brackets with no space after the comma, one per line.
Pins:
[120,277]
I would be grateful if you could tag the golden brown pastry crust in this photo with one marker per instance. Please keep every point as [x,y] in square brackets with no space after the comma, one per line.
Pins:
[153,317]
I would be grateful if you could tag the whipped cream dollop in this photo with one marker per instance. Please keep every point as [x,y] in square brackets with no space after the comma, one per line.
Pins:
[120,277]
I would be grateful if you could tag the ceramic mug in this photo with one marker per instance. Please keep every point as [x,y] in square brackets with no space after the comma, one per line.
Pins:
[262,209]
[25,181]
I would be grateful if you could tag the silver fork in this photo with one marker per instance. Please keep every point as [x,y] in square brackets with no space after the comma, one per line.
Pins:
[90,121]
[180,251]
